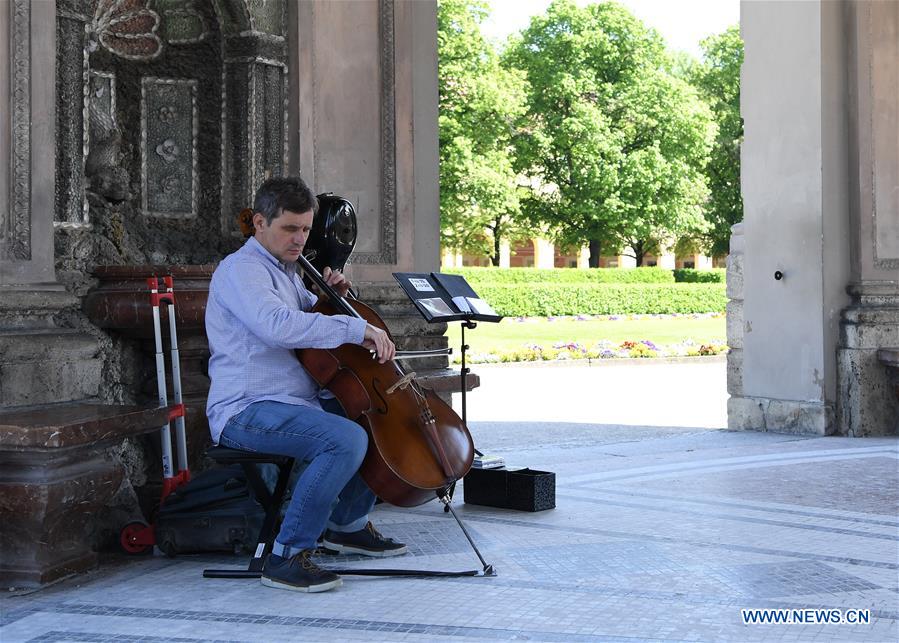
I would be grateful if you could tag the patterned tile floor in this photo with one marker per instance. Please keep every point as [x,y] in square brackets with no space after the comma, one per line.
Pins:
[660,533]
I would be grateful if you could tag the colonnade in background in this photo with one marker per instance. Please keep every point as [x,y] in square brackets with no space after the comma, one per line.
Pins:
[543,253]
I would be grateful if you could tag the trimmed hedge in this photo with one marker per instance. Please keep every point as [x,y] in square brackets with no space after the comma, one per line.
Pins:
[501,276]
[693,276]
[545,300]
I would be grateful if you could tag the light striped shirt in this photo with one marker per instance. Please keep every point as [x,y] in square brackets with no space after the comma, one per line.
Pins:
[255,318]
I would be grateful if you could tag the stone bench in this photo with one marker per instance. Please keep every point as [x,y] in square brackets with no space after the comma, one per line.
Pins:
[55,477]
[446,381]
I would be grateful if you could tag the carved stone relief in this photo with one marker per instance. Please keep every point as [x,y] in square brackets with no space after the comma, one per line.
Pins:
[145,142]
[169,124]
[239,17]
[182,21]
[103,163]
[169,109]
[15,232]
[267,16]
[387,253]
[254,114]
[127,28]
[71,113]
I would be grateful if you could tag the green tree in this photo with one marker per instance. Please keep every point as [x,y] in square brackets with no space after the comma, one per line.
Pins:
[479,103]
[718,79]
[614,140]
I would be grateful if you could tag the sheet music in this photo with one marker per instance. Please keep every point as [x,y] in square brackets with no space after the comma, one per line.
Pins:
[480,306]
[462,304]
[435,306]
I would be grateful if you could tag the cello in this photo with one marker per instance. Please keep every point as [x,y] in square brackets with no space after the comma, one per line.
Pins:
[418,446]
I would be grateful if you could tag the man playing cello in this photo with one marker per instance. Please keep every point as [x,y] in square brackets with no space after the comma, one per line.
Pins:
[262,399]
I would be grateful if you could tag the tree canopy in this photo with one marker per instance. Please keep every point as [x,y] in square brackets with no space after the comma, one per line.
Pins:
[479,103]
[718,79]
[615,142]
[587,128]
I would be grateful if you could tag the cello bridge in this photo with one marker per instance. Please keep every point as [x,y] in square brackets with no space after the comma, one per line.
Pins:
[401,383]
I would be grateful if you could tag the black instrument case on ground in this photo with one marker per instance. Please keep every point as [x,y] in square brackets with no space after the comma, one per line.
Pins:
[215,511]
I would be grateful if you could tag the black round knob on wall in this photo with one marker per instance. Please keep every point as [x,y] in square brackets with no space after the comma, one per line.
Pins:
[778,275]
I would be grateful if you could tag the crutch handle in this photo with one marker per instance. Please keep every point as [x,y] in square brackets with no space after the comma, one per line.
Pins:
[176,411]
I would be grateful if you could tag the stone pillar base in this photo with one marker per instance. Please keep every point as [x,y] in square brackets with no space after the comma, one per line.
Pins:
[55,477]
[47,503]
[868,404]
[41,361]
[779,416]
[889,357]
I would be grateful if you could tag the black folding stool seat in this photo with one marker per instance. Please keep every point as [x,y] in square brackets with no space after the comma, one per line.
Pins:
[270,500]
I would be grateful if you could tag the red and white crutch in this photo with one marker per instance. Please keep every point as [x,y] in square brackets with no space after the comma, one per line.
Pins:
[138,537]
[171,480]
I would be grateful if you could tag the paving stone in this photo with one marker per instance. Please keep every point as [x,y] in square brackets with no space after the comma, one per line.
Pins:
[660,533]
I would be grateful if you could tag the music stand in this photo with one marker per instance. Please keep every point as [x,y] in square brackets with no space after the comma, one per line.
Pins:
[441,297]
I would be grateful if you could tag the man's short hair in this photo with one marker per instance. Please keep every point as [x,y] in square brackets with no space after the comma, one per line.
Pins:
[283,193]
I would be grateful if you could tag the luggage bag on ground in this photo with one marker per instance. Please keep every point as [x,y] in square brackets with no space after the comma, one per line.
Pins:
[216,511]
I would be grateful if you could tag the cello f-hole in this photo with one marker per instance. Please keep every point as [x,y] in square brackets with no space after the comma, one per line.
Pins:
[376,386]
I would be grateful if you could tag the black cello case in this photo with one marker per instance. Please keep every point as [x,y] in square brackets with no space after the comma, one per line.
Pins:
[333,234]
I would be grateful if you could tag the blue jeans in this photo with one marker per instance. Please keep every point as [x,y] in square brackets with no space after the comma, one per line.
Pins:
[333,447]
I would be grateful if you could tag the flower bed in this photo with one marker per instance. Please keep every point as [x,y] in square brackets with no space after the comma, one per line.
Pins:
[603,349]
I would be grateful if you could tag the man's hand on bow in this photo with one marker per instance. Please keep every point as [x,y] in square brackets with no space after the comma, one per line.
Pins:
[379,341]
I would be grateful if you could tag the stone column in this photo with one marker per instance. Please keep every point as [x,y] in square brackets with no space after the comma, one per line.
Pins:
[794,179]
[626,261]
[868,405]
[702,262]
[544,253]
[27,138]
[70,126]
[255,100]
[667,260]
[739,414]
[41,360]
[364,124]
[505,254]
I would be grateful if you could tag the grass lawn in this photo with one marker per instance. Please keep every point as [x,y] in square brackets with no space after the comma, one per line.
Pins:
[511,334]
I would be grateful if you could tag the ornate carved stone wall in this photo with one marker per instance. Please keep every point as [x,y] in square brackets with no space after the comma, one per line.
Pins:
[26,136]
[16,228]
[174,111]
[134,181]
[168,114]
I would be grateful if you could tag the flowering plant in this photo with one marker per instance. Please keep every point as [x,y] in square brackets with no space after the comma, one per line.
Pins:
[603,349]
